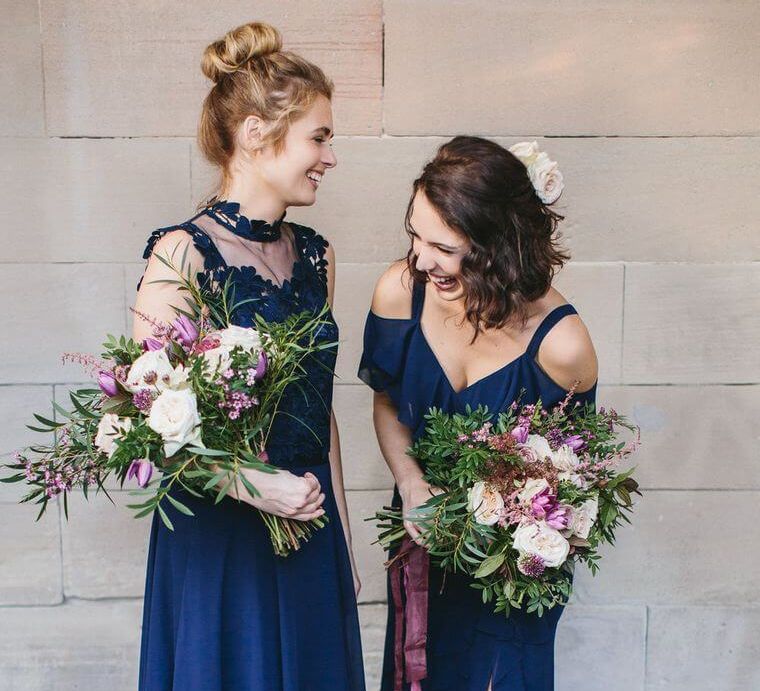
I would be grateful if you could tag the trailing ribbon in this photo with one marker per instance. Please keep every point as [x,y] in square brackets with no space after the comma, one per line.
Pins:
[409,570]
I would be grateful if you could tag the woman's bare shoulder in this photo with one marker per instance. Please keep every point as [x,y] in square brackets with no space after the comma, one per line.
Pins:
[392,298]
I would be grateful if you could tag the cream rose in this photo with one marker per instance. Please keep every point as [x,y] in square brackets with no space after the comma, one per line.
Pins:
[543,540]
[539,446]
[486,503]
[110,428]
[546,178]
[174,415]
[219,358]
[584,517]
[153,363]
[525,151]
[532,487]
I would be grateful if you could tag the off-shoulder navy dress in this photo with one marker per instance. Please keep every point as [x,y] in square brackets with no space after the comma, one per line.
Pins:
[221,611]
[467,643]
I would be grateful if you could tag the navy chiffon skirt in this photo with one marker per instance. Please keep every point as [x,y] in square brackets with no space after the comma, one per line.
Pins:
[222,612]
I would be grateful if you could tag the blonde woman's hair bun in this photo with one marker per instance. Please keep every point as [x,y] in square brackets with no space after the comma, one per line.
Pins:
[238,47]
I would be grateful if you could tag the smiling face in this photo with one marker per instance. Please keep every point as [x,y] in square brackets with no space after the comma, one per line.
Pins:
[438,249]
[294,173]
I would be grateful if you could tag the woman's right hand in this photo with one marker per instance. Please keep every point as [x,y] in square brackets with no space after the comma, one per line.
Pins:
[283,494]
[414,493]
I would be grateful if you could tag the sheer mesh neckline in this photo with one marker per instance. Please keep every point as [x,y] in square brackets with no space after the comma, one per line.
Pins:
[227,214]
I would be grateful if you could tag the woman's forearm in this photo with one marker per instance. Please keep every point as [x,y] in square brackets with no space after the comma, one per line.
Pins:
[394,439]
[336,474]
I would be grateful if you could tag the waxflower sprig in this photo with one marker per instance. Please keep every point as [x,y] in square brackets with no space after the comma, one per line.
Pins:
[190,408]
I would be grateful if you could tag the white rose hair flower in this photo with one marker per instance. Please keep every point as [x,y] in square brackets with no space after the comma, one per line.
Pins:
[544,173]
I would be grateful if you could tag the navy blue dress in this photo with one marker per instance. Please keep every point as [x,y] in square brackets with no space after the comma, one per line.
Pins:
[467,643]
[221,611]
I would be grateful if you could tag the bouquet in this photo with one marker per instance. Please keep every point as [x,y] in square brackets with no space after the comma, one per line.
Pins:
[526,496]
[194,402]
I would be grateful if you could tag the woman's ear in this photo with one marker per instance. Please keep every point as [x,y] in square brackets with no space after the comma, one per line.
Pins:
[250,134]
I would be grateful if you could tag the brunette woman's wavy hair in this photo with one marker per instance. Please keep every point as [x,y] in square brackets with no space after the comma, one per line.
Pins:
[483,191]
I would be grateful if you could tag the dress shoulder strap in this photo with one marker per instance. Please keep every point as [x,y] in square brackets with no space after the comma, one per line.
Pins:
[418,299]
[547,324]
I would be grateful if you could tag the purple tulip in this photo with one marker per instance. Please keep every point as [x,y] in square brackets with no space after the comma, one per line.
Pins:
[141,469]
[575,442]
[152,344]
[107,383]
[184,330]
[520,433]
[560,517]
[261,366]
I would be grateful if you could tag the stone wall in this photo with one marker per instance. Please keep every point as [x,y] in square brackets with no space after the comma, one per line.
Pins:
[651,109]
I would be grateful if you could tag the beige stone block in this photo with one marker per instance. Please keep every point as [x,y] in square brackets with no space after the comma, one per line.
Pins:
[21,110]
[57,308]
[363,464]
[596,291]
[691,324]
[574,68]
[135,70]
[693,437]
[683,547]
[89,200]
[30,556]
[354,285]
[361,202]
[369,557]
[658,199]
[104,547]
[17,406]
[79,645]
[610,640]
[703,648]
[372,619]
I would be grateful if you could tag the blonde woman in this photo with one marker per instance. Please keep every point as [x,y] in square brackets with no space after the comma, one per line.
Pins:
[221,610]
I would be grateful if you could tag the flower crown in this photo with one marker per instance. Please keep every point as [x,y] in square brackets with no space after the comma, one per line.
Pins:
[543,172]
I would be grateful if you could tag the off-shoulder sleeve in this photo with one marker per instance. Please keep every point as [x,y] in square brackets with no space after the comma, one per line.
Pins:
[386,342]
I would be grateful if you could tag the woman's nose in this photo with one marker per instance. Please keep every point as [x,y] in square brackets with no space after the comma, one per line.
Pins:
[424,262]
[329,160]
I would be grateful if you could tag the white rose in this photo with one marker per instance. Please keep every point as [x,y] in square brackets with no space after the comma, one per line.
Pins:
[584,517]
[525,151]
[219,358]
[532,487]
[564,459]
[485,503]
[174,415]
[152,361]
[539,446]
[543,540]
[111,428]
[546,178]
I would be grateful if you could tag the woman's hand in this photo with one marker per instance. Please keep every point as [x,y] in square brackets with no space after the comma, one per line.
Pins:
[283,494]
[414,493]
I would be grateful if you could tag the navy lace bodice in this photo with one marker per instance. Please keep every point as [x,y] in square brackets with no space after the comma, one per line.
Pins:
[300,434]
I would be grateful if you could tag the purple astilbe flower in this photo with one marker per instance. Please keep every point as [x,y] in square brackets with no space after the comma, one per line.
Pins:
[228,373]
[462,438]
[152,344]
[143,400]
[531,565]
[90,363]
[107,383]
[141,470]
[555,438]
[184,330]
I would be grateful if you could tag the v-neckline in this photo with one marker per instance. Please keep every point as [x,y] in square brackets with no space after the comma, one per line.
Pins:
[445,376]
